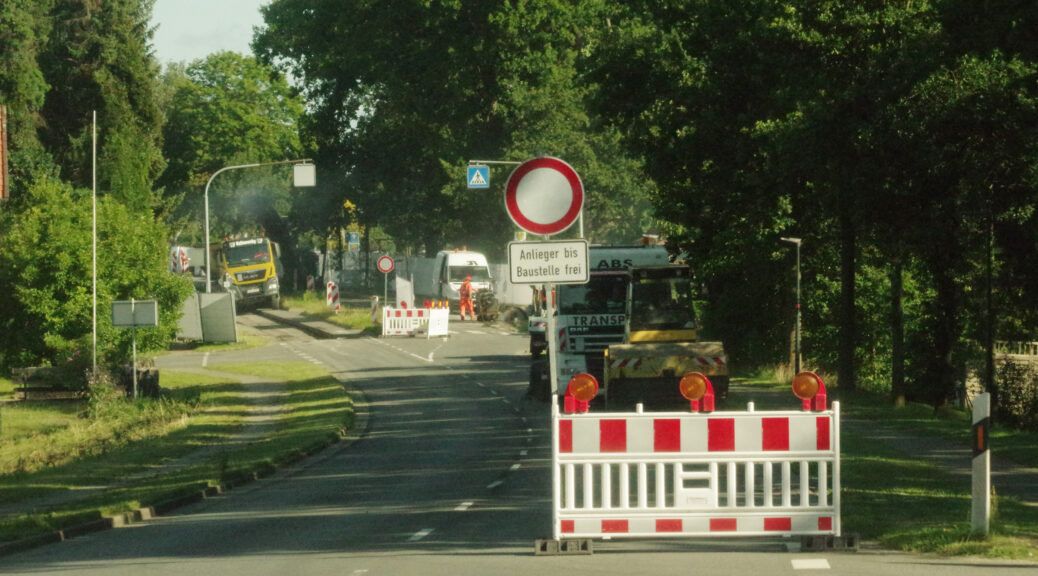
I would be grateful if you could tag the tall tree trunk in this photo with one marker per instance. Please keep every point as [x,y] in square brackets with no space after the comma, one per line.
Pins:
[897,331]
[848,310]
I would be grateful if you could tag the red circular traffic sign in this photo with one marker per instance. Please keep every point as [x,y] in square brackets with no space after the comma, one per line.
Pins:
[385,264]
[544,196]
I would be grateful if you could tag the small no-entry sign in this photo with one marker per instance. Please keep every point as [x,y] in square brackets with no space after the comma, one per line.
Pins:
[544,196]
[385,264]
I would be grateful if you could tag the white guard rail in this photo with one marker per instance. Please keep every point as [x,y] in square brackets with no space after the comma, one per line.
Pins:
[674,474]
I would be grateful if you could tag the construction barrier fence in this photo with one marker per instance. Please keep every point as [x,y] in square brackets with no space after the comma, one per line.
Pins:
[426,322]
[696,474]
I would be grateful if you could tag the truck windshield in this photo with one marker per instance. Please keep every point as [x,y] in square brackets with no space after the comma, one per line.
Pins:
[662,304]
[478,273]
[603,294]
[247,254]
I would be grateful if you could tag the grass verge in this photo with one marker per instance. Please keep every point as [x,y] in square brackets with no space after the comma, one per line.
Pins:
[187,455]
[902,502]
[314,307]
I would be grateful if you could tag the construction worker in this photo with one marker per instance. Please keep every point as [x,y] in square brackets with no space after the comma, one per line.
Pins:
[466,292]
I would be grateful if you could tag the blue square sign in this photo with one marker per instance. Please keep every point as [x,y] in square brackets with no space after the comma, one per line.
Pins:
[479,177]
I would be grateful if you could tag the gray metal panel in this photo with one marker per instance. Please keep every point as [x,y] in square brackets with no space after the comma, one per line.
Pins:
[189,327]
[218,320]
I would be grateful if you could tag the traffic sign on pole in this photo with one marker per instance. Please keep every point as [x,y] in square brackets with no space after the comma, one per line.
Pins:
[385,264]
[478,176]
[544,196]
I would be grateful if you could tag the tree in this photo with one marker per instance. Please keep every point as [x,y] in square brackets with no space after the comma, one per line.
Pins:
[404,93]
[226,110]
[24,26]
[45,270]
[97,58]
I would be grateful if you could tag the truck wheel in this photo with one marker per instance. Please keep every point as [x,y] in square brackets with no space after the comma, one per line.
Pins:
[275,301]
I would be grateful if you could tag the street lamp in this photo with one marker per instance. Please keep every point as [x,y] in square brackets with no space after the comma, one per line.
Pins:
[303,175]
[796,339]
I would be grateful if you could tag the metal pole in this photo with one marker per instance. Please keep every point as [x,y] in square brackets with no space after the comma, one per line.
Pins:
[796,337]
[981,507]
[797,350]
[208,288]
[93,241]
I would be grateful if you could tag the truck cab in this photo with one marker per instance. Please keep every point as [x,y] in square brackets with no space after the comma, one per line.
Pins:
[591,317]
[250,268]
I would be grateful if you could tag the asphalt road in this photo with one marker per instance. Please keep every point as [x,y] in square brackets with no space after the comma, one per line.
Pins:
[451,475]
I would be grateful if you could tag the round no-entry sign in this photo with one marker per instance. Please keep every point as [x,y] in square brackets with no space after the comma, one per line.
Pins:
[544,196]
[385,264]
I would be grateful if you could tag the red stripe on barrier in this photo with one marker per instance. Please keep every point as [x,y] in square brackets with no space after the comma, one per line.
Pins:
[775,434]
[825,523]
[569,526]
[667,435]
[669,525]
[615,527]
[612,436]
[566,436]
[721,435]
[724,525]
[778,524]
[822,432]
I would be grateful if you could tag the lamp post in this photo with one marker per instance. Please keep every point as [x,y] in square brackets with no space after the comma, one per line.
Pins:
[305,178]
[796,338]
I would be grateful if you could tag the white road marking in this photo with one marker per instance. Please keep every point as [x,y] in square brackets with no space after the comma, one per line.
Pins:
[811,564]
[420,534]
[205,360]
[494,484]
[515,467]
[463,506]
[524,452]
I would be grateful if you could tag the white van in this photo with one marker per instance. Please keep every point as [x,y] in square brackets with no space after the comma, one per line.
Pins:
[451,268]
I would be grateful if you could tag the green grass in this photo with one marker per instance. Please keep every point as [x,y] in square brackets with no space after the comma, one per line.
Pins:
[905,503]
[314,307]
[318,410]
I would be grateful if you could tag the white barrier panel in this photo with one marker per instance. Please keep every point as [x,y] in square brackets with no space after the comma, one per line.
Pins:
[438,318]
[686,474]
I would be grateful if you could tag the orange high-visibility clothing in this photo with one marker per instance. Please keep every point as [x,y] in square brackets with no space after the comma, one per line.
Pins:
[466,292]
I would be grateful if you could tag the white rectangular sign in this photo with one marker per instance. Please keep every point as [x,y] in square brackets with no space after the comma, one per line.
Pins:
[556,262]
[135,313]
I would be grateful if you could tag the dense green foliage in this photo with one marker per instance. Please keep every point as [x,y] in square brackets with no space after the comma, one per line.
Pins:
[899,141]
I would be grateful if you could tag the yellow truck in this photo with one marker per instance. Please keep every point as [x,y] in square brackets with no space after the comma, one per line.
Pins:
[250,268]
[661,343]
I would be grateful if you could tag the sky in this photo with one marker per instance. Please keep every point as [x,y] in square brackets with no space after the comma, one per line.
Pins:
[192,29]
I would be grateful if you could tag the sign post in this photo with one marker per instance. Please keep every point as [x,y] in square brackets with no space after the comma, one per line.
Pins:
[134,313]
[385,265]
[981,511]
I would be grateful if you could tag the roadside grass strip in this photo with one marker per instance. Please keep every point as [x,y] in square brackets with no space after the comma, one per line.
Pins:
[163,463]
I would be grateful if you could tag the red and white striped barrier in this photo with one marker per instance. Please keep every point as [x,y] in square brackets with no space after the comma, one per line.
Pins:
[637,362]
[310,285]
[332,296]
[695,474]
[413,322]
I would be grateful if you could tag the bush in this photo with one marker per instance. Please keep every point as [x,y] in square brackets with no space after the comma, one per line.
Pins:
[1018,394]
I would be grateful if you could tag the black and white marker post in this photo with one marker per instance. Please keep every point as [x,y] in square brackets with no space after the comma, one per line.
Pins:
[981,516]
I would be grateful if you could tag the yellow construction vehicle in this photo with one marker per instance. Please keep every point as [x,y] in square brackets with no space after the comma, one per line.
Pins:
[660,343]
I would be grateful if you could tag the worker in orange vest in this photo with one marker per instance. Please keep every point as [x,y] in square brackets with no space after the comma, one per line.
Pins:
[466,291]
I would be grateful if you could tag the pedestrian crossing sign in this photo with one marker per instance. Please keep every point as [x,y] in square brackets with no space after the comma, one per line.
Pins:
[479,177]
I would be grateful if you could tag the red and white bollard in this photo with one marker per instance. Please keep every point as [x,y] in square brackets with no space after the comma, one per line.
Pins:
[374,310]
[332,296]
[310,287]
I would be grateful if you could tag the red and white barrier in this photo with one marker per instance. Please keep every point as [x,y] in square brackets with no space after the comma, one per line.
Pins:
[332,296]
[310,285]
[413,322]
[694,474]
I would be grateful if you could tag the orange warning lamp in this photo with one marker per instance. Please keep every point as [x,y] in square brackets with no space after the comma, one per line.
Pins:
[809,387]
[695,386]
[581,390]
